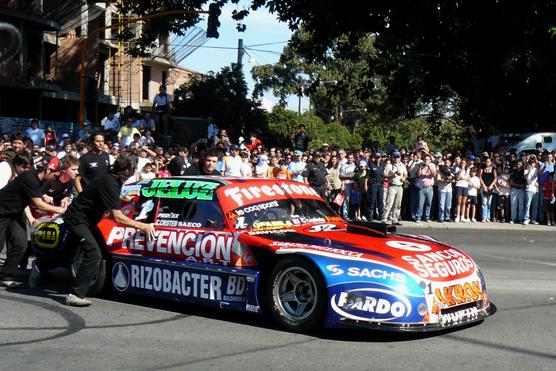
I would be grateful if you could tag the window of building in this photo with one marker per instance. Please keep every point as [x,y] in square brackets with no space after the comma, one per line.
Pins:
[164,77]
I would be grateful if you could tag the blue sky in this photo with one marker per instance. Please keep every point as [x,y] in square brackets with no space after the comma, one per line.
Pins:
[262,28]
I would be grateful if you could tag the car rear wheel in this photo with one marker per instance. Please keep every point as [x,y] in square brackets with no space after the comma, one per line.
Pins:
[297,294]
[99,282]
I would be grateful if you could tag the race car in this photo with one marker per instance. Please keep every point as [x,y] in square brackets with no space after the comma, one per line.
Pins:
[275,246]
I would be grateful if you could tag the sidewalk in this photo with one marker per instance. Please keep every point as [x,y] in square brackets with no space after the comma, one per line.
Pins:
[478,226]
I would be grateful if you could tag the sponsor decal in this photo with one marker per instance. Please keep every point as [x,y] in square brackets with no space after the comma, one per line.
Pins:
[335,269]
[252,308]
[180,188]
[333,219]
[179,281]
[146,208]
[256,207]
[279,231]
[251,194]
[132,189]
[120,275]
[370,304]
[409,246]
[460,293]
[445,263]
[47,235]
[463,315]
[323,227]
[303,246]
[197,246]
[367,273]
[272,224]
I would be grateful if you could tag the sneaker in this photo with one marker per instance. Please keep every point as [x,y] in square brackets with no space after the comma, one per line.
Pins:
[473,220]
[511,222]
[75,301]
[35,275]
[10,284]
[466,220]
[363,218]
[427,220]
[397,223]
[548,224]
[418,222]
[440,221]
[535,222]
[457,219]
[484,220]
[525,222]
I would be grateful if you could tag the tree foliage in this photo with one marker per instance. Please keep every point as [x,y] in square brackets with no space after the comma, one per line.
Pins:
[282,123]
[222,96]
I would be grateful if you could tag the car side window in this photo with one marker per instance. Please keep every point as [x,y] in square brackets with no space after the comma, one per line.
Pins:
[174,212]
[547,139]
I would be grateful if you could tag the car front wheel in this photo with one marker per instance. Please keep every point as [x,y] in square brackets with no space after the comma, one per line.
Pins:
[298,294]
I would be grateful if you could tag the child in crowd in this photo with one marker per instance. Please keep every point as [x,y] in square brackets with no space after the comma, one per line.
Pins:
[548,199]
[147,172]
[503,188]
[281,171]
[355,197]
[474,185]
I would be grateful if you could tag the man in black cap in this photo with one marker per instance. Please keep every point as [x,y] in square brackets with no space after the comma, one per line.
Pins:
[23,191]
[315,175]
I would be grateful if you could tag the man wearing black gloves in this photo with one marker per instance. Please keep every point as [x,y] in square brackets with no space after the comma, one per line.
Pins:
[16,196]
[101,195]
[315,175]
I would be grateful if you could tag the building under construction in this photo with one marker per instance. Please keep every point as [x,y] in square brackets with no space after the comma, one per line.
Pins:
[42,81]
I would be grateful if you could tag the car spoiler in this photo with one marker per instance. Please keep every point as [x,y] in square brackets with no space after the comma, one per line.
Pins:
[371,228]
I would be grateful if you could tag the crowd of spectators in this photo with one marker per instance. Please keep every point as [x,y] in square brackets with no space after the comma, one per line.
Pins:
[388,184]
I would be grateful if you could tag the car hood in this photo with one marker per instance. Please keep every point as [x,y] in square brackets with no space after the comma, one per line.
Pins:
[419,255]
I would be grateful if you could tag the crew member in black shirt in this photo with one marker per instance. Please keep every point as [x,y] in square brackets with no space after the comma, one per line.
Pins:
[374,184]
[16,196]
[84,213]
[518,184]
[315,175]
[93,164]
[206,165]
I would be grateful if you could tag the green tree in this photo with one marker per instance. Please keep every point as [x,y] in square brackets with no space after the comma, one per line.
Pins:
[222,96]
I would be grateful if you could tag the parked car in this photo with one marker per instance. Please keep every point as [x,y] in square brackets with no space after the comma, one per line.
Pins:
[274,246]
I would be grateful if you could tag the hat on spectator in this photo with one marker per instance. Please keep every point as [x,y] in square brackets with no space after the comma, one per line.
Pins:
[326,145]
[471,157]
[298,152]
[396,154]
[234,147]
[115,144]
[54,164]
[438,154]
[65,135]
[50,148]
[362,163]
[377,154]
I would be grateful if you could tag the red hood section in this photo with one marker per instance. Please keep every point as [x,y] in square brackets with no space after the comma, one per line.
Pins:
[426,258]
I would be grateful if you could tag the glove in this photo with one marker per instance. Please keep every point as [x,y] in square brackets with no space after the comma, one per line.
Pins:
[553,200]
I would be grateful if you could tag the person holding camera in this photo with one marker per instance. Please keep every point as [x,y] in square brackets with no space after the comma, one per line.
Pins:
[301,139]
[396,173]
[425,181]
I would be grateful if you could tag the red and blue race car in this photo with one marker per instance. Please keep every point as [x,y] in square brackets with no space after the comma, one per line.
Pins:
[267,245]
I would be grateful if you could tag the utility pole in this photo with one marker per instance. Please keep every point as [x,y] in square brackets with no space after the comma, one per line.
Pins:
[300,95]
[240,52]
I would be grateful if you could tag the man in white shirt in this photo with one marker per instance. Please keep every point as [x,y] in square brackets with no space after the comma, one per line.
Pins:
[35,133]
[396,173]
[347,173]
[232,164]
[112,123]
[162,106]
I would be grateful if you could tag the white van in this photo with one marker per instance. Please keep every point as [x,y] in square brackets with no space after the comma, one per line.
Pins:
[526,142]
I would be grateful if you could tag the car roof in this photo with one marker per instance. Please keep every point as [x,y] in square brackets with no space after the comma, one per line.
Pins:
[222,180]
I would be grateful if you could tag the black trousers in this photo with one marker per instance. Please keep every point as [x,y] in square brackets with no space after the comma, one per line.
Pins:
[92,256]
[375,195]
[12,230]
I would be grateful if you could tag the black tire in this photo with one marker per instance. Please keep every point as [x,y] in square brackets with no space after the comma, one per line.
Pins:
[299,306]
[100,281]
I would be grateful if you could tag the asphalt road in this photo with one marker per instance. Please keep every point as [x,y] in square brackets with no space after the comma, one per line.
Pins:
[37,332]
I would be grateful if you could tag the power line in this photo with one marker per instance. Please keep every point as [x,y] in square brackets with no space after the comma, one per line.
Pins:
[265,44]
[265,51]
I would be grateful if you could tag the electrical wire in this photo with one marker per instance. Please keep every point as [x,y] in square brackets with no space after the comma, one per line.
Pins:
[265,44]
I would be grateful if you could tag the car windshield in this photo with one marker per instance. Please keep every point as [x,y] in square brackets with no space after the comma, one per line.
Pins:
[279,214]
